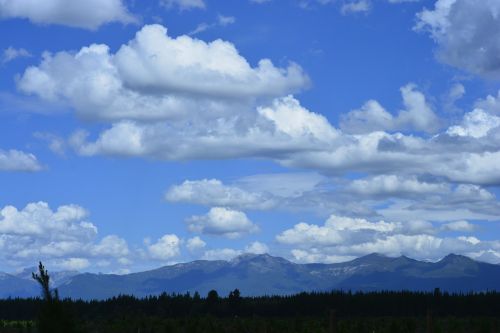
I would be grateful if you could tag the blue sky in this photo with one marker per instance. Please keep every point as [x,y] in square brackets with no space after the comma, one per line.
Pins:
[135,134]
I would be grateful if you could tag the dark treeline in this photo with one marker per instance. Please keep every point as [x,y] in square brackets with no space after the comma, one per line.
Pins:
[346,304]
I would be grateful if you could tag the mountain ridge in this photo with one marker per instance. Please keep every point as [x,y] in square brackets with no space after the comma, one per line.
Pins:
[263,274]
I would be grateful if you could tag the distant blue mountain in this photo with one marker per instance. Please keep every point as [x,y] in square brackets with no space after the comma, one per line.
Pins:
[267,275]
[13,286]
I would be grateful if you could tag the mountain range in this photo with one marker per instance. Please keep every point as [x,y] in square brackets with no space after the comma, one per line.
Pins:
[263,274]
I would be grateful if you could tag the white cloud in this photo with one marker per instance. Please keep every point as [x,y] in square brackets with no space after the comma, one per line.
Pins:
[457,159]
[394,197]
[490,104]
[11,53]
[257,248]
[111,246]
[417,227]
[195,244]
[183,4]
[15,160]
[281,185]
[249,115]
[166,248]
[456,92]
[212,192]
[71,264]
[278,191]
[417,115]
[267,135]
[63,236]
[223,222]
[476,124]
[290,118]
[395,185]
[461,202]
[314,256]
[221,254]
[341,238]
[459,226]
[359,6]
[222,21]
[336,230]
[37,219]
[467,34]
[89,14]
[369,118]
[201,28]
[157,77]
[225,20]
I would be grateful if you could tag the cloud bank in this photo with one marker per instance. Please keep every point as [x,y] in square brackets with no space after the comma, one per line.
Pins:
[89,14]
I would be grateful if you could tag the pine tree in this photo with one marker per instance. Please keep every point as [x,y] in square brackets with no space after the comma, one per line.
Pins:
[52,317]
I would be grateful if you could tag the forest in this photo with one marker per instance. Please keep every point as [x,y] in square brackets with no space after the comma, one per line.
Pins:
[336,311]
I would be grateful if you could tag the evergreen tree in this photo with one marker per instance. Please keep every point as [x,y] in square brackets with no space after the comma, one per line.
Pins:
[52,317]
[234,300]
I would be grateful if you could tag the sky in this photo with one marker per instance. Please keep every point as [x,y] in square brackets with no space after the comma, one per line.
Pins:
[136,134]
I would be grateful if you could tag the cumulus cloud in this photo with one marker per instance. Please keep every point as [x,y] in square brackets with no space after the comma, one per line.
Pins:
[229,253]
[461,202]
[476,124]
[195,244]
[290,118]
[337,230]
[222,222]
[156,76]
[165,248]
[271,134]
[466,33]
[341,238]
[221,254]
[315,256]
[417,115]
[460,226]
[490,104]
[88,14]
[394,197]
[257,248]
[111,246]
[62,236]
[452,157]
[174,99]
[15,160]
[277,191]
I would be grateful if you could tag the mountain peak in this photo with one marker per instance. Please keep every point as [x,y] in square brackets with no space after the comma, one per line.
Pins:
[371,258]
[456,258]
[248,256]
[261,258]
